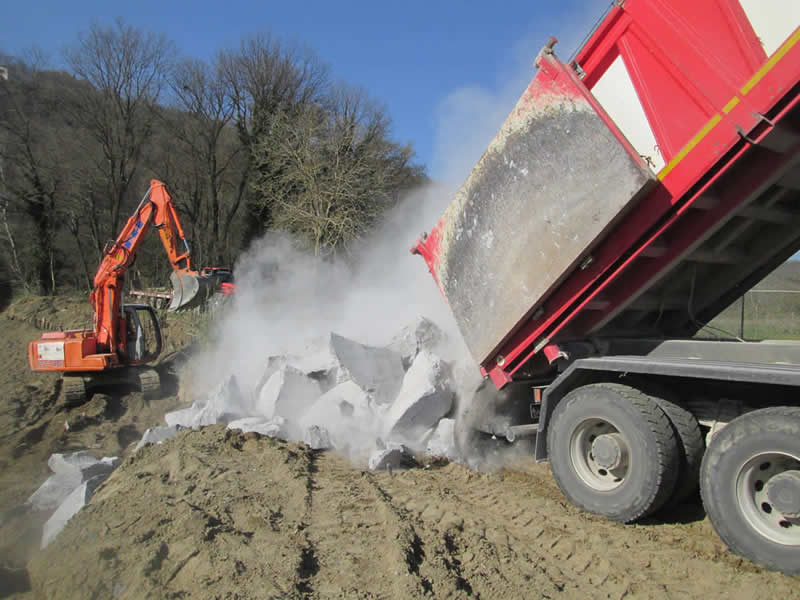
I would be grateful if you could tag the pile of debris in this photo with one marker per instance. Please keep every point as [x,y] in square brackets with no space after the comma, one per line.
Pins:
[380,406]
[75,478]
[368,402]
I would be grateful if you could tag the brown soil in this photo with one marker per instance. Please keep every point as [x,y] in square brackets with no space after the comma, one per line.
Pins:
[217,514]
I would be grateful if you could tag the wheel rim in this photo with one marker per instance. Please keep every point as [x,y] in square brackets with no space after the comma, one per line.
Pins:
[751,496]
[581,449]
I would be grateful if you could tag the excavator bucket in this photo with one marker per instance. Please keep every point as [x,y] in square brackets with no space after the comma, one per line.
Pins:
[189,290]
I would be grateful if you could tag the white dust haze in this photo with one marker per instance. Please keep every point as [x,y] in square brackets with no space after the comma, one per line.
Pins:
[286,298]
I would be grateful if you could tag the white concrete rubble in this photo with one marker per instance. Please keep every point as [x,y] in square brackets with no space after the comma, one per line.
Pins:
[274,427]
[287,393]
[377,371]
[317,438]
[425,397]
[224,403]
[441,441]
[69,471]
[158,435]
[76,500]
[394,456]
[421,333]
[347,413]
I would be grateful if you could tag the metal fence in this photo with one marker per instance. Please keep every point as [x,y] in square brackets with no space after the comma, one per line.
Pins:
[761,314]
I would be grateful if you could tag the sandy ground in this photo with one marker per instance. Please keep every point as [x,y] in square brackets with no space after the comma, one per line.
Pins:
[218,514]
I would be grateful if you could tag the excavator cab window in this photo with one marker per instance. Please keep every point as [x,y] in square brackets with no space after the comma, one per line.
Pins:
[143,333]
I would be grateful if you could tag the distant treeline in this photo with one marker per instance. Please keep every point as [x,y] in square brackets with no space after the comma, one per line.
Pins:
[259,138]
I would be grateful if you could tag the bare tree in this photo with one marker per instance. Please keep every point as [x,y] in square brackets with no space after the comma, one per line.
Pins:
[126,69]
[266,81]
[335,170]
[33,169]
[204,128]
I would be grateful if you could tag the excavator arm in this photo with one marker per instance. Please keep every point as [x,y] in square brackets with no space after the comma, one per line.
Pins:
[189,287]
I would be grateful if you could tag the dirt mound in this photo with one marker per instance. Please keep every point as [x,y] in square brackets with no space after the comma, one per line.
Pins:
[34,419]
[216,513]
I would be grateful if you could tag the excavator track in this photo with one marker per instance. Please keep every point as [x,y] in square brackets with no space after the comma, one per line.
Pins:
[75,390]
[149,381]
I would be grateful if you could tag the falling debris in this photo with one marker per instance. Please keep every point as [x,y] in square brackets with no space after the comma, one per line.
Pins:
[421,334]
[426,396]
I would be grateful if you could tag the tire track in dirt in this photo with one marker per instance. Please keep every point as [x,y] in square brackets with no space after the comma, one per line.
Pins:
[214,513]
[514,529]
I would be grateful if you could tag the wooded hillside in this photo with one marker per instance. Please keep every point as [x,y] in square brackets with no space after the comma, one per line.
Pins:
[259,138]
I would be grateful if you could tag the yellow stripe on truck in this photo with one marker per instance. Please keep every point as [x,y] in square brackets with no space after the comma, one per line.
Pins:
[758,76]
[730,105]
[689,146]
[773,60]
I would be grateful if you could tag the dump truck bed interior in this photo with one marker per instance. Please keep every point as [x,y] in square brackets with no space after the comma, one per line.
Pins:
[563,232]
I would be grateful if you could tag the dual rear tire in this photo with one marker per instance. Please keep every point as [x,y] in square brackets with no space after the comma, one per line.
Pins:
[623,454]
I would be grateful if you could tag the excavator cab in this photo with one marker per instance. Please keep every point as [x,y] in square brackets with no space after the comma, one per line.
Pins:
[143,334]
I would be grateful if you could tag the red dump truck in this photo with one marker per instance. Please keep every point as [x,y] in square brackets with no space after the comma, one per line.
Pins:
[632,194]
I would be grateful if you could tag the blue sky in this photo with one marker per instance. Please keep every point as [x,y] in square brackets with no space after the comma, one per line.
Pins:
[448,72]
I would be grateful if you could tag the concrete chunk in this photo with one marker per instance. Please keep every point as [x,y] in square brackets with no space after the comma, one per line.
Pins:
[69,471]
[392,457]
[377,371]
[75,501]
[274,427]
[441,441]
[425,397]
[287,393]
[224,403]
[422,333]
[158,435]
[346,413]
[317,438]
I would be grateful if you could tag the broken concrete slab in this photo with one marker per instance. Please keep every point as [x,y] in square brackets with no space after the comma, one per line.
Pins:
[346,412]
[425,397]
[287,393]
[394,456]
[346,401]
[317,438]
[421,333]
[224,403]
[275,427]
[441,441]
[158,435]
[69,471]
[377,371]
[75,501]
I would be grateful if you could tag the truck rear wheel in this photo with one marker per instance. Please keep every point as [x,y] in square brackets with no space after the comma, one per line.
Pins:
[750,483]
[613,451]
[691,447]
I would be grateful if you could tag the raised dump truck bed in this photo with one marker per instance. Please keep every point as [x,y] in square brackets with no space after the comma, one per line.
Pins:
[631,195]
[562,231]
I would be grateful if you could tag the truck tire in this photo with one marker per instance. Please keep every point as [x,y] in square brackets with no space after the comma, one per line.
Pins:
[750,484]
[613,451]
[691,447]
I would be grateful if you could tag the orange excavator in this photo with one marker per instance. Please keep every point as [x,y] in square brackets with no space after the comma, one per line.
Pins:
[125,337]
